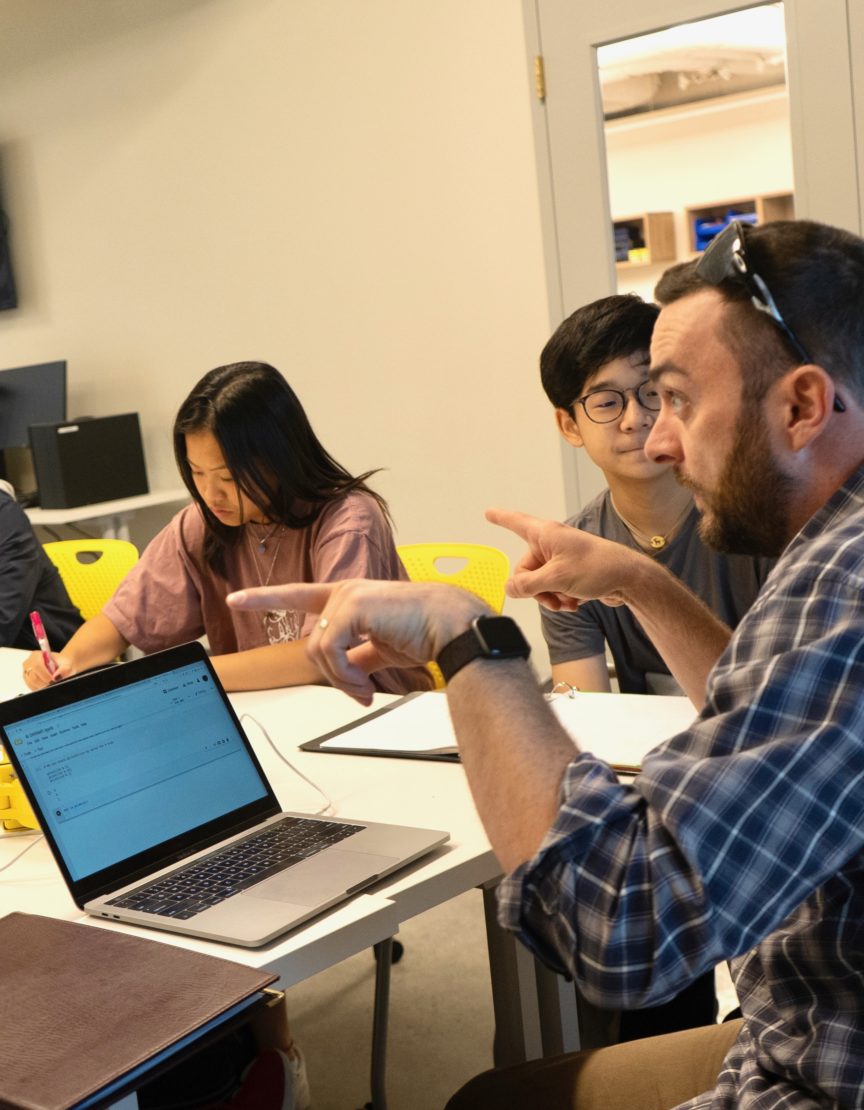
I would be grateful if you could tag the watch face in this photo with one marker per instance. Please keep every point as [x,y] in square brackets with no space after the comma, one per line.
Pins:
[501,636]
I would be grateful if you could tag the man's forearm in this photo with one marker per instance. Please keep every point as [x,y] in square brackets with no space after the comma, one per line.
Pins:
[514,752]
[685,632]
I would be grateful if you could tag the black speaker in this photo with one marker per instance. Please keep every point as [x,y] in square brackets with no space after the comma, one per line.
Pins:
[8,294]
[80,462]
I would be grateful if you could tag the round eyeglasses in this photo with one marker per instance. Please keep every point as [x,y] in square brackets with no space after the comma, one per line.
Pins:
[605,405]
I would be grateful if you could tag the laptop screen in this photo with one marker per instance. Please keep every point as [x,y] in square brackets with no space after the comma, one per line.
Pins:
[120,772]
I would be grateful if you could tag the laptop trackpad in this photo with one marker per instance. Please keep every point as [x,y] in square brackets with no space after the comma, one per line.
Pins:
[322,877]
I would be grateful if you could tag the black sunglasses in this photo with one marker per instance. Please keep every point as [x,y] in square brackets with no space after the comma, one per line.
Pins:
[726,257]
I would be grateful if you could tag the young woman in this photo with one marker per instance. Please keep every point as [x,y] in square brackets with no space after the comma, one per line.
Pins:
[269,505]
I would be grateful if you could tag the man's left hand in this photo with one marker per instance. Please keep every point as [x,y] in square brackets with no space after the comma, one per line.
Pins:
[366,626]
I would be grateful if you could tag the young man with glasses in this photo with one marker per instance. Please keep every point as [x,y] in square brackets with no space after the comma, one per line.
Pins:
[594,370]
[743,836]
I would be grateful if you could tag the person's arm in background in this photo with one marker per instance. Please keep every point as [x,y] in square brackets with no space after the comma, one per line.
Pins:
[266,667]
[576,643]
[20,568]
[97,641]
[590,674]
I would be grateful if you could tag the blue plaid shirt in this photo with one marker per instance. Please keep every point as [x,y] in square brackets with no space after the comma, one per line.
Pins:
[743,838]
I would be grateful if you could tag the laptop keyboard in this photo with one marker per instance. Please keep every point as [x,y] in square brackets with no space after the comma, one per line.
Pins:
[185,893]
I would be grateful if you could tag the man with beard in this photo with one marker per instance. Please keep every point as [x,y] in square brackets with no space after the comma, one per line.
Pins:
[743,837]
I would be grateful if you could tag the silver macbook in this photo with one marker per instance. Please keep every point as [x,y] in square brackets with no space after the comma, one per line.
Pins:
[158,812]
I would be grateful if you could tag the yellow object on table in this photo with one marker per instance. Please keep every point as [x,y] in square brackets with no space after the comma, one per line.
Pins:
[15,811]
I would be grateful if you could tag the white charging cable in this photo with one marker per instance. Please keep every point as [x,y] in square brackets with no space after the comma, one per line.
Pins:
[328,805]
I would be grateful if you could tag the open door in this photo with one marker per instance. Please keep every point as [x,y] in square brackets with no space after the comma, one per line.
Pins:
[801,93]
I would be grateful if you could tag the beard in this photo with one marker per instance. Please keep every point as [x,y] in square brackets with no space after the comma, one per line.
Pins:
[748,512]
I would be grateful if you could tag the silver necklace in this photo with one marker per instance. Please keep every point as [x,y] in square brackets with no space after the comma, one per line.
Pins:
[653,543]
[271,614]
[264,540]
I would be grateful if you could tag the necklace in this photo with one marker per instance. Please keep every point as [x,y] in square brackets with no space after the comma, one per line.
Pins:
[262,541]
[270,616]
[651,542]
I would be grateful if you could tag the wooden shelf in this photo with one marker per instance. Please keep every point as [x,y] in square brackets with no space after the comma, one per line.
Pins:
[648,238]
[765,207]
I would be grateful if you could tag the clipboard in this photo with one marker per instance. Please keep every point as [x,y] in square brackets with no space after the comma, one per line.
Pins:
[416,726]
[621,728]
[618,728]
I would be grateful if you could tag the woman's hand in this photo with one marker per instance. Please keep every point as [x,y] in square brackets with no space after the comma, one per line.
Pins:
[36,674]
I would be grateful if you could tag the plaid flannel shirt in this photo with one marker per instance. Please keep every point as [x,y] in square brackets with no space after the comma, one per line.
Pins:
[743,838]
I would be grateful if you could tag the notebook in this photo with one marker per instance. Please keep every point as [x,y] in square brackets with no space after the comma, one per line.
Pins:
[158,812]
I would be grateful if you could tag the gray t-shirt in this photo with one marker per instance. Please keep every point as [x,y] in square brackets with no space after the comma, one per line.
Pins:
[728,584]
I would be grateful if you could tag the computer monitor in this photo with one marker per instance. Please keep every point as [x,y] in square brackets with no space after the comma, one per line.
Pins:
[30,395]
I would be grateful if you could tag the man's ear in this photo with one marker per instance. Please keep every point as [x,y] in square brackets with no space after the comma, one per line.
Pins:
[568,427]
[807,396]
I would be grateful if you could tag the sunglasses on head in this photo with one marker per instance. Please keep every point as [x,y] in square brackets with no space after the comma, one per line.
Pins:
[726,257]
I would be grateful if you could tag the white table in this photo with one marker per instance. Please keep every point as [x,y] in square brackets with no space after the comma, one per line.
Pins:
[392,790]
[535,1010]
[110,517]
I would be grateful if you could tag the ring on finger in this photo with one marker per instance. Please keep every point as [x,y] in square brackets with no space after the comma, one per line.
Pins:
[323,623]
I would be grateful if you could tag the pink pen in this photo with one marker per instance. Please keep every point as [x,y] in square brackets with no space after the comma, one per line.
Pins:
[42,641]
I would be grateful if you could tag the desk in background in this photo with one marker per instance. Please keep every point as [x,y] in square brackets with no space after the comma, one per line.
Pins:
[111,518]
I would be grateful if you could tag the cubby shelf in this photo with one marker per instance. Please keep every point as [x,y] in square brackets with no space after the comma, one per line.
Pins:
[649,238]
[767,206]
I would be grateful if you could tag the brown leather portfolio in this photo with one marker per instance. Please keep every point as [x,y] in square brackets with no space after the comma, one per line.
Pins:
[82,1006]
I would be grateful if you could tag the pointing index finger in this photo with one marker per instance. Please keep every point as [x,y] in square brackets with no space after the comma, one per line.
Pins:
[520,523]
[306,597]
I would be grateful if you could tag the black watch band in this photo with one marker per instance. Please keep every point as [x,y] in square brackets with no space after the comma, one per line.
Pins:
[487,638]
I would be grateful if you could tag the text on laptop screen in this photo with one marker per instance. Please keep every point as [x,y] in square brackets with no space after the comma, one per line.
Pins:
[130,768]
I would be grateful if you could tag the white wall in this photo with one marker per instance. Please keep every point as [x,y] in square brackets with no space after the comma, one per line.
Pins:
[344,189]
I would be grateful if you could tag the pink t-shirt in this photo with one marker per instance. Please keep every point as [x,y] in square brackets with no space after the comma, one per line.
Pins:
[170,596]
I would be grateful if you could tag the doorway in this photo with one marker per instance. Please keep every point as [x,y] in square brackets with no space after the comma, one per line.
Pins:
[820,164]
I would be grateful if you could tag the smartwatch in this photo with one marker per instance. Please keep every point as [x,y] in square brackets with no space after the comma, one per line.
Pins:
[487,638]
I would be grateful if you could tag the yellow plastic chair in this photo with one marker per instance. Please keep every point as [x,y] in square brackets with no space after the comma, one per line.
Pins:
[473,566]
[92,569]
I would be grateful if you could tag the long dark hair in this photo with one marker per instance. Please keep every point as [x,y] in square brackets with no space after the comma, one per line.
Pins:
[269,447]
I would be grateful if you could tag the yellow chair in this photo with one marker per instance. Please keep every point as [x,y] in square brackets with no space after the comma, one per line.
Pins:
[92,569]
[473,566]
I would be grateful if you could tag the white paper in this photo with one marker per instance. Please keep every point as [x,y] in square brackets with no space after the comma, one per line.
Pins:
[421,724]
[619,728]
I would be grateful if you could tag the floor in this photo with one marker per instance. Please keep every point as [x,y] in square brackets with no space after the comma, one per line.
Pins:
[440,1015]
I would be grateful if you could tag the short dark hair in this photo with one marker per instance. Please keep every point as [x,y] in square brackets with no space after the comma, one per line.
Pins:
[269,448]
[613,327]
[816,275]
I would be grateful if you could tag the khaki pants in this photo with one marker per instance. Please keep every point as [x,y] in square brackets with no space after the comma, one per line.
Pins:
[656,1073]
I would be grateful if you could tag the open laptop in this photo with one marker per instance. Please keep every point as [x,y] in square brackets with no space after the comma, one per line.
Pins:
[158,812]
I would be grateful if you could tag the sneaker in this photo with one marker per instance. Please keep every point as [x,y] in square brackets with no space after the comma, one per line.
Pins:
[273,1081]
